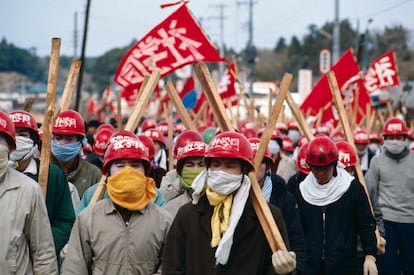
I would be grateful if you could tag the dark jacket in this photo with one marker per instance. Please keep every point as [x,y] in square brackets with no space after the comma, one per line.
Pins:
[334,238]
[285,201]
[293,184]
[188,249]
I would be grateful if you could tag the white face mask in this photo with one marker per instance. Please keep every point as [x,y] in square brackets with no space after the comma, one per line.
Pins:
[24,149]
[294,135]
[395,146]
[374,147]
[223,182]
[274,147]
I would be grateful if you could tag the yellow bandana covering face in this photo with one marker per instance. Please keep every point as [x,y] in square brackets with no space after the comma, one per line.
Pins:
[131,189]
[221,214]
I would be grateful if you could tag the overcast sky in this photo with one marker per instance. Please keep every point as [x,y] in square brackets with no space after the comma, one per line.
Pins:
[115,23]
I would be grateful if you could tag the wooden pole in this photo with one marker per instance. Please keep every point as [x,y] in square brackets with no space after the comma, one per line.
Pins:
[70,85]
[200,112]
[303,126]
[336,94]
[47,120]
[29,104]
[170,136]
[132,123]
[179,106]
[259,203]
[119,110]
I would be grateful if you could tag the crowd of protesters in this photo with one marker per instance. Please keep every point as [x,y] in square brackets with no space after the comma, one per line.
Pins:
[196,215]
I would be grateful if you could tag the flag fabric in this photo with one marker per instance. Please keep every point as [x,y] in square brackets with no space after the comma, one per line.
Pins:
[345,69]
[175,42]
[188,94]
[382,73]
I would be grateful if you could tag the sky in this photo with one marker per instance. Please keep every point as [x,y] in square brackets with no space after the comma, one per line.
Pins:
[115,23]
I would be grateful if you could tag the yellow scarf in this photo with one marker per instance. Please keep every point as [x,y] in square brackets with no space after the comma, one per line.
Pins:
[131,189]
[221,214]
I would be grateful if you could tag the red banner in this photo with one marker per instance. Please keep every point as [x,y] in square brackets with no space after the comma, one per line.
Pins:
[175,42]
[382,73]
[320,98]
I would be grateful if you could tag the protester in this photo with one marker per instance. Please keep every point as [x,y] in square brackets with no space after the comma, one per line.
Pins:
[126,233]
[68,138]
[365,154]
[303,171]
[26,240]
[218,231]
[171,183]
[100,143]
[274,191]
[190,162]
[392,176]
[347,156]
[161,155]
[58,200]
[282,164]
[334,210]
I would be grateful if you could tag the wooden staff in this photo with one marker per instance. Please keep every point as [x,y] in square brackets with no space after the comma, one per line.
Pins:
[170,136]
[47,120]
[142,100]
[179,107]
[259,203]
[119,110]
[29,104]
[336,94]
[70,85]
[356,108]
[298,115]
[200,112]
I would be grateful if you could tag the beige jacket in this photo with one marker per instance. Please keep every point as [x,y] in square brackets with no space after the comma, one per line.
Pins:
[26,242]
[101,243]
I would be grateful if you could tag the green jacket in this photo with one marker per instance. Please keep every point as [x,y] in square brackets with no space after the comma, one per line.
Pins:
[59,205]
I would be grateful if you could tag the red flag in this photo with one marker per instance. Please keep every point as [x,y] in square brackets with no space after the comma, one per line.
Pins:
[321,98]
[175,42]
[91,106]
[382,73]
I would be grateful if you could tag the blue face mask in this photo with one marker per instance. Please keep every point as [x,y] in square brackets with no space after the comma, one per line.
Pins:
[65,152]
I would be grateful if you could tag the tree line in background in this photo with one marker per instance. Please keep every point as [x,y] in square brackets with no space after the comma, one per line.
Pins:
[270,64]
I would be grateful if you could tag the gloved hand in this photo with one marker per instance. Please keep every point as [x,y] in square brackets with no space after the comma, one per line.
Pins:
[63,253]
[284,261]
[381,242]
[370,268]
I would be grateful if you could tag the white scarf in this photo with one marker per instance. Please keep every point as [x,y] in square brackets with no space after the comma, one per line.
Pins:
[239,202]
[161,159]
[324,194]
[25,149]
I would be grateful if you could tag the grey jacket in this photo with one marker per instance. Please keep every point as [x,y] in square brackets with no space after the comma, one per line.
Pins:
[26,242]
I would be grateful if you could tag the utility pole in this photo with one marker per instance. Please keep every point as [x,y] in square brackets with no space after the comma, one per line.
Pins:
[75,37]
[251,51]
[85,32]
[366,46]
[221,19]
[336,34]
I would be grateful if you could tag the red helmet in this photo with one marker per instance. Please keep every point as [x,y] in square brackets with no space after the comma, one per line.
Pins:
[275,133]
[292,125]
[149,144]
[69,122]
[191,149]
[302,140]
[281,126]
[361,137]
[338,136]
[148,124]
[7,128]
[183,139]
[106,126]
[230,145]
[155,135]
[321,151]
[87,148]
[287,144]
[126,148]
[163,127]
[301,159]
[255,143]
[179,128]
[23,119]
[246,124]
[249,132]
[346,153]
[117,135]
[394,127]
[322,129]
[101,141]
